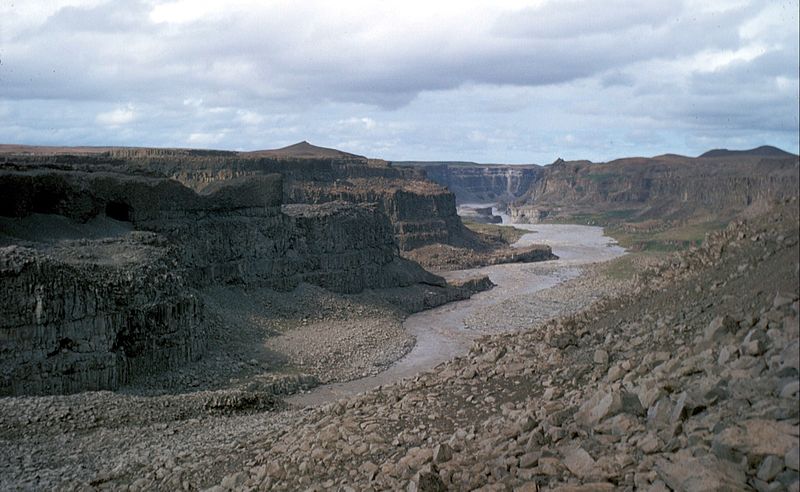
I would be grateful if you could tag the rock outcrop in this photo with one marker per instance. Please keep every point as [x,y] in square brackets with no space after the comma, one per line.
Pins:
[422,215]
[420,211]
[668,187]
[480,183]
[481,215]
[94,312]
[89,315]
[441,257]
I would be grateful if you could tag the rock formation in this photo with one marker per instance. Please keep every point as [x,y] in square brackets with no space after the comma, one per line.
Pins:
[94,311]
[480,183]
[420,211]
[668,187]
[687,382]
[481,215]
[88,315]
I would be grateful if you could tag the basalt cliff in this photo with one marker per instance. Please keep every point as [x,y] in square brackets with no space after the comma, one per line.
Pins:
[104,252]
[420,211]
[670,187]
[480,183]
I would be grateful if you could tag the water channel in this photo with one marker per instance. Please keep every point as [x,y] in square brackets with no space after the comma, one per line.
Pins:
[441,333]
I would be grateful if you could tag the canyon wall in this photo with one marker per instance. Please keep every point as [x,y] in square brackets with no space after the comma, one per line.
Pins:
[94,312]
[420,216]
[666,188]
[82,317]
[480,183]
[421,212]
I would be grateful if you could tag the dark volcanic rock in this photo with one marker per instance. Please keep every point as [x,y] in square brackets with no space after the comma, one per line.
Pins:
[421,212]
[95,312]
[480,183]
[69,324]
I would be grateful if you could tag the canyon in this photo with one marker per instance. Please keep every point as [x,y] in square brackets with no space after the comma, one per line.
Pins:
[480,183]
[668,188]
[289,319]
[106,254]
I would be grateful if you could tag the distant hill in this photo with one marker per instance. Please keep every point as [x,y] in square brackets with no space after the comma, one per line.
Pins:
[304,150]
[763,151]
[301,150]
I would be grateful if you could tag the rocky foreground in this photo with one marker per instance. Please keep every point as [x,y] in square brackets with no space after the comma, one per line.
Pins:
[688,381]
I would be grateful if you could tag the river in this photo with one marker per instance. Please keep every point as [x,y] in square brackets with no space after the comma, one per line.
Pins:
[441,332]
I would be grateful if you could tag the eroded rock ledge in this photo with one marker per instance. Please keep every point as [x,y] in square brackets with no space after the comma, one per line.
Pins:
[95,311]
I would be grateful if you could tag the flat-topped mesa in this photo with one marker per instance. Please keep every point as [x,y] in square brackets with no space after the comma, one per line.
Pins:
[666,188]
[421,212]
[233,231]
[137,199]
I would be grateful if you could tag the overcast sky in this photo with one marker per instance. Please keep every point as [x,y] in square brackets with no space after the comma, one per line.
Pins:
[491,81]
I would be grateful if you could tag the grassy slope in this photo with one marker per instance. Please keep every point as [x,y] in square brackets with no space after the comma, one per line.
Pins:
[649,247]
[667,240]
[644,246]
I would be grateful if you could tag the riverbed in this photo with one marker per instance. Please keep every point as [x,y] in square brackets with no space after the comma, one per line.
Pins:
[443,333]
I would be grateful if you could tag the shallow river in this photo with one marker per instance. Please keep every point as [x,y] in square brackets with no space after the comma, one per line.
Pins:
[441,332]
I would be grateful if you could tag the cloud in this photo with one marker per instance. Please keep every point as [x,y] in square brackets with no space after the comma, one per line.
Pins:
[204,138]
[117,117]
[249,117]
[364,123]
[506,78]
[374,53]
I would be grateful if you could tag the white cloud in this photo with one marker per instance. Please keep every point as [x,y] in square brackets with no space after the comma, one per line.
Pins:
[470,79]
[117,117]
[205,138]
[364,123]
[249,117]
[714,60]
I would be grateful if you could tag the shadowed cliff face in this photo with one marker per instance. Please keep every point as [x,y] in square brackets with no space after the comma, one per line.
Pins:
[73,324]
[480,183]
[99,269]
[421,212]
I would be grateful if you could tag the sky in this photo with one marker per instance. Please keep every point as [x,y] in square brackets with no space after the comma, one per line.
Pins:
[508,81]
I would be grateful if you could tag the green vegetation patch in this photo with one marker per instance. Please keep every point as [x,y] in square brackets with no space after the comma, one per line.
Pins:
[626,267]
[668,240]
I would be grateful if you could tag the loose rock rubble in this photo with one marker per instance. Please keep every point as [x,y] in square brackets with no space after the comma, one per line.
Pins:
[686,381]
